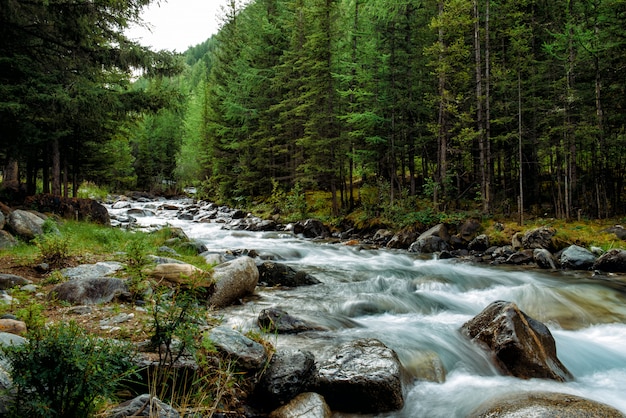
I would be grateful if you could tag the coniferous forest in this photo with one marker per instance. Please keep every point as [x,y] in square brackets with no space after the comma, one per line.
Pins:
[450,104]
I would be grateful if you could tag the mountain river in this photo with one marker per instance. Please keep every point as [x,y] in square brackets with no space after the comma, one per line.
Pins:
[416,305]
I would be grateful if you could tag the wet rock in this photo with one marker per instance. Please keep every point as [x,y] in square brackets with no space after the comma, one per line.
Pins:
[469,230]
[89,291]
[427,366]
[521,346]
[382,236]
[402,240]
[577,258]
[520,257]
[544,405]
[289,373]
[276,320]
[544,259]
[26,225]
[434,240]
[143,406]
[362,376]
[213,258]
[138,212]
[276,274]
[7,240]
[313,228]
[305,405]
[248,353]
[233,280]
[8,281]
[612,261]
[121,204]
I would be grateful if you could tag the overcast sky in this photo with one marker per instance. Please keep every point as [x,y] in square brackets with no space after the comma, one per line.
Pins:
[178,24]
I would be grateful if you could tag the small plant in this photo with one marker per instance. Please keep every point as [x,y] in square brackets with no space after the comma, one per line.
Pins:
[54,248]
[61,371]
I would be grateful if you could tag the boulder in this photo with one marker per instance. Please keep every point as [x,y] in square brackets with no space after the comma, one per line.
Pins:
[143,406]
[249,354]
[577,258]
[312,228]
[89,291]
[305,405]
[181,273]
[233,280]
[7,240]
[402,240]
[91,271]
[12,326]
[70,208]
[469,230]
[544,405]
[289,373]
[479,244]
[618,230]
[138,212]
[427,366]
[612,261]
[544,259]
[24,224]
[539,238]
[122,204]
[8,281]
[361,376]
[434,240]
[520,257]
[276,320]
[521,346]
[382,236]
[276,274]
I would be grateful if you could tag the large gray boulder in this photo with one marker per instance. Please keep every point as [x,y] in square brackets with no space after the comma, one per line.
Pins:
[434,240]
[577,258]
[248,353]
[544,259]
[91,271]
[544,405]
[233,280]
[90,290]
[612,261]
[402,239]
[8,281]
[26,225]
[305,405]
[276,320]
[521,346]
[289,373]
[539,238]
[362,376]
[277,274]
[143,406]
[7,240]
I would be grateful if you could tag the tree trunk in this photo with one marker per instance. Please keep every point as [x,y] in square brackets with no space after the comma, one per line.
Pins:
[11,175]
[56,168]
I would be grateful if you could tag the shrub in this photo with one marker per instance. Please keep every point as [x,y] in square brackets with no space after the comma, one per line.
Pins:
[54,248]
[62,371]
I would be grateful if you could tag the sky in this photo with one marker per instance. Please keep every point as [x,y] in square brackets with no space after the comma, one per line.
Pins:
[178,24]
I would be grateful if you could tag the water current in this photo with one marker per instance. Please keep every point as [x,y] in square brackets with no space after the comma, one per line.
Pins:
[416,305]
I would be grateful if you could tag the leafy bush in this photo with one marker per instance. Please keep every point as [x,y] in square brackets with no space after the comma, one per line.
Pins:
[54,248]
[61,371]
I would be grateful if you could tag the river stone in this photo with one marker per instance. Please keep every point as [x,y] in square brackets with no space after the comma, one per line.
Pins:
[544,259]
[618,230]
[12,326]
[233,280]
[7,281]
[139,212]
[25,224]
[7,240]
[122,204]
[362,376]
[434,240]
[612,261]
[520,257]
[91,271]
[427,366]
[143,406]
[577,258]
[522,346]
[289,373]
[248,353]
[544,405]
[305,405]
[276,320]
[469,229]
[480,243]
[89,291]
[311,228]
[277,274]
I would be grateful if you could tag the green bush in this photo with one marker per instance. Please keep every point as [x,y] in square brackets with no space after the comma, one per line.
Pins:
[54,248]
[62,371]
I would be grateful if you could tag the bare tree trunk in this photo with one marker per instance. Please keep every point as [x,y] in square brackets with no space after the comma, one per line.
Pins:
[488,157]
[11,175]
[479,110]
[442,140]
[56,168]
[519,145]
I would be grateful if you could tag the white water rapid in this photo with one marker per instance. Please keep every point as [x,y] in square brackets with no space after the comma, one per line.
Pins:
[416,305]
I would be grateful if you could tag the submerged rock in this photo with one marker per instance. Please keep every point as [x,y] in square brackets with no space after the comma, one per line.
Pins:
[276,274]
[277,320]
[544,405]
[305,405]
[522,346]
[248,353]
[233,280]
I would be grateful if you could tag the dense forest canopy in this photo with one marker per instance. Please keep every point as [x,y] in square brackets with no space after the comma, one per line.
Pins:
[452,104]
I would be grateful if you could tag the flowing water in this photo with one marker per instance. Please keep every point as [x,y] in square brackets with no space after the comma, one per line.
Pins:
[416,306]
